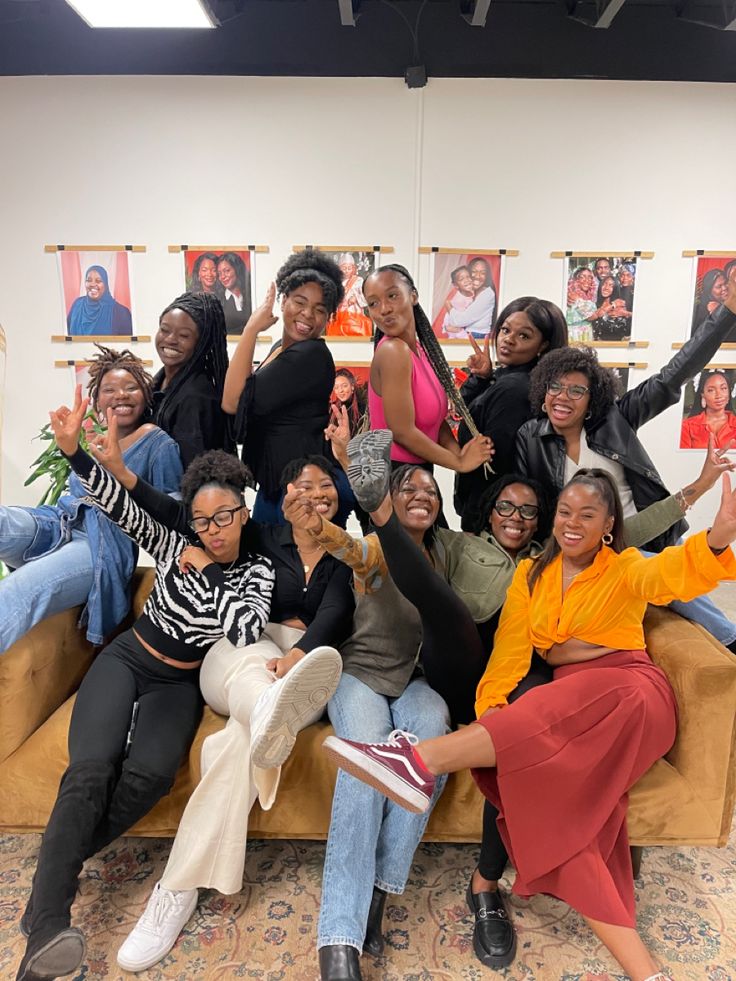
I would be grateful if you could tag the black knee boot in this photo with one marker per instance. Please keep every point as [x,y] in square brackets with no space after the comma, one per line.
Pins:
[373,943]
[83,797]
[135,794]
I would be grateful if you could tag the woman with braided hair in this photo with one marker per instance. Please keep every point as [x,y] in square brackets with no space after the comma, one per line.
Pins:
[411,382]
[187,392]
[70,554]
[282,409]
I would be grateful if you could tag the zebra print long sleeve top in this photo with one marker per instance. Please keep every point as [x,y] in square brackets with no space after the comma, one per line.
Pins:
[186,612]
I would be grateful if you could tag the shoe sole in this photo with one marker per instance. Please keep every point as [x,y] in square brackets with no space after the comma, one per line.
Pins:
[62,955]
[143,965]
[487,959]
[373,448]
[375,775]
[305,690]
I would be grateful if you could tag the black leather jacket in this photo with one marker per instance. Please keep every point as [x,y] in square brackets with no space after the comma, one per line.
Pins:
[541,452]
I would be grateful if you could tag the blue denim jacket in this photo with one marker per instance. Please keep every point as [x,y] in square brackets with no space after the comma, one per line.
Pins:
[154,458]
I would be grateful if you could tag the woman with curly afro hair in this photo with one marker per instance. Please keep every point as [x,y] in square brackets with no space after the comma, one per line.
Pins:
[281,408]
[582,424]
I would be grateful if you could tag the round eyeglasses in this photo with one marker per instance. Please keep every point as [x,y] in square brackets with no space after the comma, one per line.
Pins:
[575,392]
[507,508]
[221,518]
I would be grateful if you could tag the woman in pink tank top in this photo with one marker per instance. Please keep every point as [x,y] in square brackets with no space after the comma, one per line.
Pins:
[411,383]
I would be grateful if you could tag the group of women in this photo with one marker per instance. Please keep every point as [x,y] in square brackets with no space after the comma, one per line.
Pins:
[274,617]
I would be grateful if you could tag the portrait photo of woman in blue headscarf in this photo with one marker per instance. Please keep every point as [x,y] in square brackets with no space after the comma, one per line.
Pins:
[96,311]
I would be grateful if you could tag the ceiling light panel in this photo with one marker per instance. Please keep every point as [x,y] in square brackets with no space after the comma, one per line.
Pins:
[143,13]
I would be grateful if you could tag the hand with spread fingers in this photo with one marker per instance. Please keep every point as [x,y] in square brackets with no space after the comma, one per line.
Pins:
[338,433]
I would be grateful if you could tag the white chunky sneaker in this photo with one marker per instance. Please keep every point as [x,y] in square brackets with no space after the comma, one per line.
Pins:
[156,931]
[286,706]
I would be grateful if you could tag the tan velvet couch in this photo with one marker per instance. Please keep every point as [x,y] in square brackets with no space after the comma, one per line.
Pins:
[686,798]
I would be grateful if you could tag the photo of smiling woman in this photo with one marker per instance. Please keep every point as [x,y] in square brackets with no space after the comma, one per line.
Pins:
[464,294]
[96,291]
[712,276]
[708,410]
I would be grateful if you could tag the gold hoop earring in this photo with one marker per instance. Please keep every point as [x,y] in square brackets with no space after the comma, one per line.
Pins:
[607,539]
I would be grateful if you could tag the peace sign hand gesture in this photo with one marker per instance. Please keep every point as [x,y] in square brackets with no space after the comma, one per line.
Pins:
[66,423]
[480,363]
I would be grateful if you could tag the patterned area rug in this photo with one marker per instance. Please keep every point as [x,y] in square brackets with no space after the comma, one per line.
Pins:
[686,901]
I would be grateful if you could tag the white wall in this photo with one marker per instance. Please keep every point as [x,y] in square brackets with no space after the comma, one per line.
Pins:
[533,165]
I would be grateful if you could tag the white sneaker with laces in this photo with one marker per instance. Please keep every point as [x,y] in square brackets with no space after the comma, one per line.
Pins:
[290,703]
[155,933]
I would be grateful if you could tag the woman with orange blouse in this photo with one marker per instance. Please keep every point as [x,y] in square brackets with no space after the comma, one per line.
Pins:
[559,762]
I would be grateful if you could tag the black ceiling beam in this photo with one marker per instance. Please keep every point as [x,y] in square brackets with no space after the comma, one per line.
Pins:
[727,22]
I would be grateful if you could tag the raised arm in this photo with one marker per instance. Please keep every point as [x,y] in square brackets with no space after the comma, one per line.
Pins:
[686,571]
[106,492]
[663,389]
[363,555]
[241,364]
[657,518]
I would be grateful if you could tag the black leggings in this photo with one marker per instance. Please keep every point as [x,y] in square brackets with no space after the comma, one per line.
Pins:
[453,656]
[104,792]
[493,855]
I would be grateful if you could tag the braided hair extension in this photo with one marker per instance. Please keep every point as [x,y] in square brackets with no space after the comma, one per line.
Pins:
[210,353]
[125,360]
[312,266]
[433,350]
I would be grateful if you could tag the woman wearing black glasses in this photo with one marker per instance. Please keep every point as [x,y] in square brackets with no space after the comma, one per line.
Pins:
[123,759]
[582,424]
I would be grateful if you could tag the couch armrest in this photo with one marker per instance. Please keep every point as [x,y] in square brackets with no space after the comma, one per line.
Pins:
[703,677]
[37,674]
[41,670]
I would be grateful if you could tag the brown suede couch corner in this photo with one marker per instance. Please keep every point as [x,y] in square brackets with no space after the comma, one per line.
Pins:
[687,798]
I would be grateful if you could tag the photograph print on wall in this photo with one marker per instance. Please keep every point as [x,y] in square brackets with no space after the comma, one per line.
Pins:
[599,301]
[227,273]
[712,277]
[96,292]
[708,409]
[465,291]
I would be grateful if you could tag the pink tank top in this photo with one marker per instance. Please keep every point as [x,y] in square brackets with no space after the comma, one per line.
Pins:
[430,404]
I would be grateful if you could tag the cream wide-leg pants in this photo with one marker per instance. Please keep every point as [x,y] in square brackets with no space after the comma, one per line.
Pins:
[209,848]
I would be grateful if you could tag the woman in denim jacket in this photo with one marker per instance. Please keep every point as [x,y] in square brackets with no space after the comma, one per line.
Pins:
[69,554]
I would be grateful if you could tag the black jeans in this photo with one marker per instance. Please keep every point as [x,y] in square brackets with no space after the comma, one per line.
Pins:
[103,792]
[453,656]
[493,855]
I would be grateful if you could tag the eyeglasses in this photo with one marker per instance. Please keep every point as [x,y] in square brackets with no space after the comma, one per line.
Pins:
[575,392]
[506,508]
[221,518]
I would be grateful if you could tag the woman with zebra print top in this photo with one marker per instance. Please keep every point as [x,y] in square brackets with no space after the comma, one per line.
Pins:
[139,705]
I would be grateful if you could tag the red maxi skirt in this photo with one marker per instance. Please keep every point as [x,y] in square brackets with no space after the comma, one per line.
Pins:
[567,754]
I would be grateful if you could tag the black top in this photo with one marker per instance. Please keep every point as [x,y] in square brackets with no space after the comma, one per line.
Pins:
[325,604]
[284,409]
[499,407]
[192,415]
[186,612]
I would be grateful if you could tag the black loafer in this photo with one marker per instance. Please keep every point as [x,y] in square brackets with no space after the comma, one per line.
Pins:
[494,937]
[374,943]
[339,962]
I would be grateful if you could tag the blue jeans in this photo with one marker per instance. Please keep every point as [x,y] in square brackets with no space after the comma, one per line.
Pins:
[38,589]
[704,611]
[371,840]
